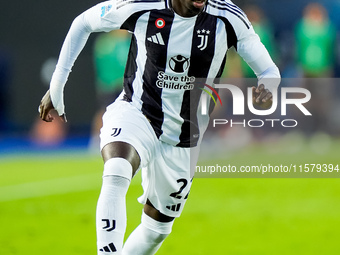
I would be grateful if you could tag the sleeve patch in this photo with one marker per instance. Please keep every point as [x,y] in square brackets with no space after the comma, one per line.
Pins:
[105,9]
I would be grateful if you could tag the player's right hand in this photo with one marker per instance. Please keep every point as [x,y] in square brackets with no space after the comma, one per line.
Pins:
[46,107]
[262,97]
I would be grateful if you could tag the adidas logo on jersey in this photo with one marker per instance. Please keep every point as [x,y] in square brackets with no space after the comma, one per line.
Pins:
[157,39]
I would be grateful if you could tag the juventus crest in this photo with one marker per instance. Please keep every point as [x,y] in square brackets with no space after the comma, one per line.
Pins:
[204,36]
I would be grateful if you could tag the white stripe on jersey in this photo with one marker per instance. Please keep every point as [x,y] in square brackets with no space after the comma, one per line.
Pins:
[180,43]
[140,33]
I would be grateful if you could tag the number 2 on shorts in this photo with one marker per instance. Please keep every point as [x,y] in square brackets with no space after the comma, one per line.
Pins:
[177,194]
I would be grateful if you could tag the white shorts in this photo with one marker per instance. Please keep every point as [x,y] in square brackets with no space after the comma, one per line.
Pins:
[166,177]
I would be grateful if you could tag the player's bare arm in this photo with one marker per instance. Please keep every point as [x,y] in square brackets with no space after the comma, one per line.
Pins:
[262,97]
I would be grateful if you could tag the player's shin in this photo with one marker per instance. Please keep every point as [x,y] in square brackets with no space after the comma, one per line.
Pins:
[111,207]
[148,237]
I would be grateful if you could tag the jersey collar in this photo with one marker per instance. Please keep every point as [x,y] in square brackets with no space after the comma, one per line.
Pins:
[168,5]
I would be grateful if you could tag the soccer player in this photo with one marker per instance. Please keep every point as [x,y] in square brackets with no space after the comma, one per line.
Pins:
[152,125]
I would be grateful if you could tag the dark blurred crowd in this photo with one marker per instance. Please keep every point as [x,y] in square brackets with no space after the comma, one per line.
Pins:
[308,50]
[308,56]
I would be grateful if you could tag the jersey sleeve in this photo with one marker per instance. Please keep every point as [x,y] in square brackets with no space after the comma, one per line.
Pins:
[250,48]
[111,15]
[103,17]
[254,53]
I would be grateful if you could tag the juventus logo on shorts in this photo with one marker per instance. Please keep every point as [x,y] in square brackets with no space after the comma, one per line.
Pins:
[116,131]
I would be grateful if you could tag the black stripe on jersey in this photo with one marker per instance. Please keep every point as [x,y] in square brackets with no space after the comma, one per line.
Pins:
[168,4]
[200,60]
[130,70]
[229,9]
[156,59]
[131,65]
[122,3]
[200,63]
[130,23]
[231,35]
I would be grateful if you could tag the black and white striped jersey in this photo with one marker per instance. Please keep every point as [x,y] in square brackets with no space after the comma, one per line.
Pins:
[169,54]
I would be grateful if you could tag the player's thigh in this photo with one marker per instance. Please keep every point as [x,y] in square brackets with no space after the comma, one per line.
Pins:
[125,124]
[167,180]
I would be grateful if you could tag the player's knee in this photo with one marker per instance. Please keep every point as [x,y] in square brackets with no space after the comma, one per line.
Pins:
[161,229]
[118,167]
[116,177]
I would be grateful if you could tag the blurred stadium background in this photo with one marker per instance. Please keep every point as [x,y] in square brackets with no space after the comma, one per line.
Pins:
[50,179]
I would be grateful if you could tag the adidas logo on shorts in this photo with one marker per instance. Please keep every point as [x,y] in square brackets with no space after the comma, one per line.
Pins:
[174,208]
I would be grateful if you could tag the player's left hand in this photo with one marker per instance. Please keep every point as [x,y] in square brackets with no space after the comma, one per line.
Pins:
[46,107]
[262,97]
